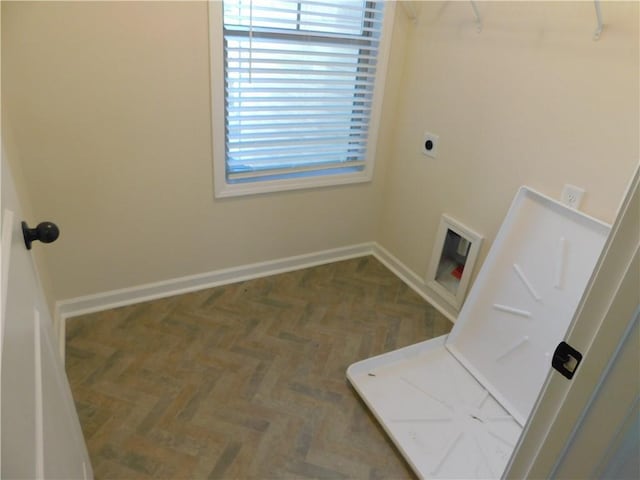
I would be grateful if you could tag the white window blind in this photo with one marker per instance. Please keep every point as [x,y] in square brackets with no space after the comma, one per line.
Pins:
[299,84]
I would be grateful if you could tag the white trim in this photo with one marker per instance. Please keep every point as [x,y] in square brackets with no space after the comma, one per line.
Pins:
[6,237]
[59,333]
[152,291]
[599,392]
[5,246]
[39,401]
[176,286]
[216,72]
[414,281]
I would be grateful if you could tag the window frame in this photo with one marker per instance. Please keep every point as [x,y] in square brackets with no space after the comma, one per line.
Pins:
[223,188]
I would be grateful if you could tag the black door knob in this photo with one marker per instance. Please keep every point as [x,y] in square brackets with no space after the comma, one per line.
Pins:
[46,232]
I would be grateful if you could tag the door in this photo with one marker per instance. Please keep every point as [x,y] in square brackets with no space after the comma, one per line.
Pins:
[606,443]
[40,435]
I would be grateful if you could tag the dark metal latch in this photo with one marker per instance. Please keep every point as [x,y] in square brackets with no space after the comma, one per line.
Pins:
[566,359]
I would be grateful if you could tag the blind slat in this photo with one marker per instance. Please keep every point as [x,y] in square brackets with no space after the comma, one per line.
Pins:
[301,159]
[300,81]
[349,39]
[284,104]
[268,17]
[328,131]
[261,23]
[279,90]
[284,170]
[239,130]
[256,63]
[296,157]
[277,101]
[309,119]
[246,52]
[284,142]
[357,13]
[293,143]
[248,112]
[345,4]
[284,73]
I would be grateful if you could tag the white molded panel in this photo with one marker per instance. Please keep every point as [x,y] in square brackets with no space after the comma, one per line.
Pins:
[445,423]
[525,297]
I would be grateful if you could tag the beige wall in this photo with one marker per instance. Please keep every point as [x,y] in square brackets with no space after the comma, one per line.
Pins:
[11,157]
[110,107]
[532,99]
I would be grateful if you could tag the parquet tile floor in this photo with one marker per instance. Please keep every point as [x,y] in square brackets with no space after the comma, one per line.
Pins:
[245,381]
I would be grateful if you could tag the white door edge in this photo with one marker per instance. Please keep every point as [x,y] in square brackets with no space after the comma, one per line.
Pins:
[610,365]
[7,237]
[39,410]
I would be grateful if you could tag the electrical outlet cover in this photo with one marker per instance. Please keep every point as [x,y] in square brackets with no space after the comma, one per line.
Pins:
[572,195]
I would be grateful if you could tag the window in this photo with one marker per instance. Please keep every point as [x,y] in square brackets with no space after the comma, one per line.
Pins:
[296,89]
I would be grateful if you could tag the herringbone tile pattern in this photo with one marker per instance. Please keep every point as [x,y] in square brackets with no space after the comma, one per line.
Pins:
[244,381]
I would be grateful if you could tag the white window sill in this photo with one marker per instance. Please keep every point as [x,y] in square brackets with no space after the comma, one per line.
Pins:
[224,189]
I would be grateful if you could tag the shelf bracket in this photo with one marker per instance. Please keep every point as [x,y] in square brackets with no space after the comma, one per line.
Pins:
[596,34]
[476,13]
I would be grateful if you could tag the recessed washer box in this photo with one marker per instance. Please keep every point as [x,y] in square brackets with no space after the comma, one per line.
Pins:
[455,406]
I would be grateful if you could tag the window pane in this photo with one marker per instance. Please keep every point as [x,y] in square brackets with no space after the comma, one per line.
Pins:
[260,13]
[332,16]
[322,17]
[295,101]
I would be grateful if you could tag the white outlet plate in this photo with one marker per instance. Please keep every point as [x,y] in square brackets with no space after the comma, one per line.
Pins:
[572,195]
[430,144]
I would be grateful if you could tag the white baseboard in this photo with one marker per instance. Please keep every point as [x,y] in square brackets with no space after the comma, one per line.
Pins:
[176,286]
[73,307]
[414,281]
